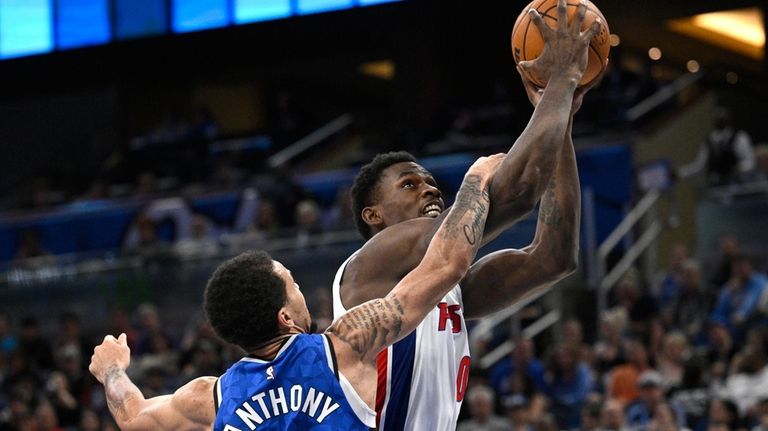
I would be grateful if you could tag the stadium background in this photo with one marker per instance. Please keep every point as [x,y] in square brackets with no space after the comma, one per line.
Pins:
[144,142]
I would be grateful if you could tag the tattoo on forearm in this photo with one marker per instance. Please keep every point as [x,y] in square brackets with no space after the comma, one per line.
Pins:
[117,392]
[549,211]
[471,200]
[375,323]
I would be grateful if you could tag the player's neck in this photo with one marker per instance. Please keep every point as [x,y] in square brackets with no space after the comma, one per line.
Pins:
[268,350]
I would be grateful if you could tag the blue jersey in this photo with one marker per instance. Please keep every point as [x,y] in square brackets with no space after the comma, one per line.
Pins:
[300,389]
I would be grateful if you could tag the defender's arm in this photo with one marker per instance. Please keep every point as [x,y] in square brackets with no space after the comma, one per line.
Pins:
[189,408]
[365,330]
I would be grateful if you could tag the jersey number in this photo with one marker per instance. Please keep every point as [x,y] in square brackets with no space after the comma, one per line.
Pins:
[461,378]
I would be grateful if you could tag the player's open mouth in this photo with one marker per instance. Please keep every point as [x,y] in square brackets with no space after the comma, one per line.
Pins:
[432,210]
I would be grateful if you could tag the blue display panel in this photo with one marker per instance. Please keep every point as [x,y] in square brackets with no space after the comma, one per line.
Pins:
[137,18]
[25,27]
[315,6]
[370,2]
[261,10]
[193,15]
[81,23]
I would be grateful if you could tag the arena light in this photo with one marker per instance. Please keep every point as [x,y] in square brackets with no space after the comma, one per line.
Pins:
[739,30]
[384,69]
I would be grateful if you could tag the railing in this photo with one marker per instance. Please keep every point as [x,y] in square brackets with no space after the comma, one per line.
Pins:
[662,96]
[311,140]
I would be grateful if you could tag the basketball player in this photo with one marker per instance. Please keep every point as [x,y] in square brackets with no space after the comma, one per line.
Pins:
[422,378]
[291,379]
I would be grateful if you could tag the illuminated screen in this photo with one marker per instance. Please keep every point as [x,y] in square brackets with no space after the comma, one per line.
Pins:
[193,15]
[136,18]
[25,27]
[370,2]
[314,6]
[261,10]
[81,23]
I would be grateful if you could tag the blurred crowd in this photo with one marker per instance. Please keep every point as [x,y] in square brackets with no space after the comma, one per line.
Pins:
[685,351]
[688,351]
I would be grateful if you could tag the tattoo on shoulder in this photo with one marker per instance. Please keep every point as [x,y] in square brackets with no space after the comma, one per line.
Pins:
[374,323]
[549,211]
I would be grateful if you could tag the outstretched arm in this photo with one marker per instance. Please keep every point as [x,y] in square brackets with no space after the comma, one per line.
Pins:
[365,330]
[524,175]
[503,277]
[516,186]
[189,408]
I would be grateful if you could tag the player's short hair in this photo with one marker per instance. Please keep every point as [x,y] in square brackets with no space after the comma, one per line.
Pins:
[364,189]
[242,299]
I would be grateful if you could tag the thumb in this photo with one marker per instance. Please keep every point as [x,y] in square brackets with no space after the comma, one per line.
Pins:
[122,339]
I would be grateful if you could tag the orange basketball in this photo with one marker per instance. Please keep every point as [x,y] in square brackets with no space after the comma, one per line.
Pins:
[527,42]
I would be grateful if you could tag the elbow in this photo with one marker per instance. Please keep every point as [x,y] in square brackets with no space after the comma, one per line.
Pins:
[561,267]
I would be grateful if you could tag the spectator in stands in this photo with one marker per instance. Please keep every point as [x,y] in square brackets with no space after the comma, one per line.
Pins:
[688,311]
[573,334]
[670,285]
[70,336]
[340,217]
[623,379]
[153,338]
[307,221]
[640,306]
[723,412]
[202,241]
[670,361]
[608,350]
[508,376]
[590,416]
[760,417]
[665,419]
[747,381]
[719,349]
[651,389]
[566,381]
[518,412]
[89,421]
[739,297]
[727,154]
[729,248]
[64,403]
[47,418]
[612,416]
[481,400]
[147,243]
[265,222]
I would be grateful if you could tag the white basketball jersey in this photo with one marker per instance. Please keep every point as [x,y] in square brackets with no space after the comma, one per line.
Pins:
[422,378]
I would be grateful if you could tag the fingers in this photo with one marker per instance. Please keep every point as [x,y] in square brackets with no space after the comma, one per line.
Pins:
[123,339]
[597,24]
[539,22]
[581,12]
[523,66]
[562,16]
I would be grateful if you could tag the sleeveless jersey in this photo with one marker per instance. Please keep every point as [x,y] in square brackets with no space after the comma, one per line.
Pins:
[421,378]
[300,389]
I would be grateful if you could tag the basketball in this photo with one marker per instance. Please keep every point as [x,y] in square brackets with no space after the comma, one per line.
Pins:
[527,41]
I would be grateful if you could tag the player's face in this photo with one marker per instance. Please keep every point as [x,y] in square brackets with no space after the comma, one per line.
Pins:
[294,299]
[407,191]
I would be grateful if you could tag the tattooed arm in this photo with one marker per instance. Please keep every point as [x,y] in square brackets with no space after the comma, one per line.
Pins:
[503,277]
[189,408]
[366,329]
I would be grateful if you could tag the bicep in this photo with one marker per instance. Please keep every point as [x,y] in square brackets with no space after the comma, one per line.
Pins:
[189,408]
[501,278]
[385,259]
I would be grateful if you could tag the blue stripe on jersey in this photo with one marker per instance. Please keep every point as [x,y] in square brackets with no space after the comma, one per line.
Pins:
[403,355]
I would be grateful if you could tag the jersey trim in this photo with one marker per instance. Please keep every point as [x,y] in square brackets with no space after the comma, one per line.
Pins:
[331,354]
[217,395]
[366,415]
[399,382]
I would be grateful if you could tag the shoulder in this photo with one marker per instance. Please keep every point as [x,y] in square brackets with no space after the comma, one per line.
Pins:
[195,400]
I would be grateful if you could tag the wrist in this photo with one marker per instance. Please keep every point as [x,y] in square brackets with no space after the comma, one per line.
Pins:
[564,81]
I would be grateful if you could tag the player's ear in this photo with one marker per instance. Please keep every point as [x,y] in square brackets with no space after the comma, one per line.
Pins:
[284,319]
[371,216]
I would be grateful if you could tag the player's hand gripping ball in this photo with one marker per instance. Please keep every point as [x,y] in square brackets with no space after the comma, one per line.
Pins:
[527,42]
